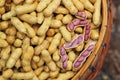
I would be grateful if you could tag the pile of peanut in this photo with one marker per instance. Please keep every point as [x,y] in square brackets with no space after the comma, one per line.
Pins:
[46,39]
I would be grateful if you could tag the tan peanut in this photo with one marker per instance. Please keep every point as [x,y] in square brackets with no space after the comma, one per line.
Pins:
[18,64]
[38,71]
[43,76]
[2,35]
[14,57]
[55,43]
[50,32]
[51,7]
[79,30]
[94,34]
[11,31]
[65,33]
[18,24]
[8,73]
[5,53]
[27,60]
[21,75]
[55,23]
[67,19]
[56,56]
[17,43]
[65,76]
[34,40]
[3,43]
[42,5]
[97,13]
[40,63]
[78,5]
[40,18]
[59,17]
[36,58]
[2,2]
[88,5]
[45,26]
[30,31]
[88,14]
[70,6]
[54,74]
[26,8]
[3,25]
[10,39]
[8,15]
[41,47]
[2,10]
[80,47]
[61,10]
[72,56]
[28,18]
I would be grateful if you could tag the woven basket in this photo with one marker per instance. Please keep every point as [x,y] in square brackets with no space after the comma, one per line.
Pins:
[95,61]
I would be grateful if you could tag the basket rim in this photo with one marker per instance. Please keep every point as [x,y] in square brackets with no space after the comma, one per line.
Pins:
[98,44]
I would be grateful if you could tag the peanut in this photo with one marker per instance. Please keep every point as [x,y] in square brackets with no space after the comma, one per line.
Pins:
[71,56]
[65,33]
[2,10]
[5,54]
[41,47]
[78,5]
[18,24]
[8,15]
[94,34]
[22,75]
[88,5]
[17,1]
[97,14]
[30,31]
[10,39]
[80,47]
[40,18]
[34,40]
[56,56]
[43,76]
[2,35]
[51,7]
[67,19]
[38,71]
[50,32]
[17,43]
[14,57]
[59,17]
[70,6]
[61,10]
[28,18]
[2,2]
[3,25]
[8,73]
[45,26]
[65,76]
[3,43]
[26,8]
[55,43]
[26,60]
[42,5]
[55,23]
[11,31]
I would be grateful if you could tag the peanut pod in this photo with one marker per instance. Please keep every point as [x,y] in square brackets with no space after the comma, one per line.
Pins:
[74,43]
[64,57]
[81,15]
[75,23]
[83,56]
[87,32]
